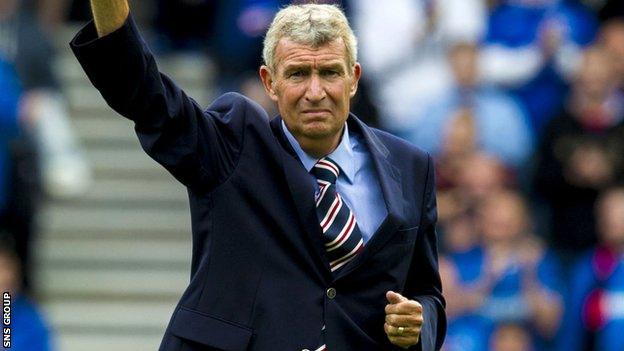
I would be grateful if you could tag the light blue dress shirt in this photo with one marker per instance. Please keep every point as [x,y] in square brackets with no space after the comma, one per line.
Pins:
[357,183]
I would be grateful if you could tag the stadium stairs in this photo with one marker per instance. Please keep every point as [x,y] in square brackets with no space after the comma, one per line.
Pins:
[112,263]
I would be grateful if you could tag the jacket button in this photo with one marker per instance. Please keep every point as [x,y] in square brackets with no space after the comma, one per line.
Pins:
[331,293]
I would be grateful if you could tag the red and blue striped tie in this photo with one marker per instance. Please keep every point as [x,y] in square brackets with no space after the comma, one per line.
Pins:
[342,236]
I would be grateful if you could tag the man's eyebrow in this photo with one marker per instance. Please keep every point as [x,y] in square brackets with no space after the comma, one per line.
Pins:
[333,65]
[338,65]
[294,66]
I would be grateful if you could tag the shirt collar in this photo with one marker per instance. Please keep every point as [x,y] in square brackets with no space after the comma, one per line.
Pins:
[342,155]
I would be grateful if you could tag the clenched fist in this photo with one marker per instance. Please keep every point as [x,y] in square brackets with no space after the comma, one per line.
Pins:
[404,320]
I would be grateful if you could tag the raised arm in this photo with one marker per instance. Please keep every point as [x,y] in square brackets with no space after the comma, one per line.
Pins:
[109,15]
[199,147]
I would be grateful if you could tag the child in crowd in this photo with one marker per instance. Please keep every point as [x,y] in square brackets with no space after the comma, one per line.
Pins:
[594,319]
[508,277]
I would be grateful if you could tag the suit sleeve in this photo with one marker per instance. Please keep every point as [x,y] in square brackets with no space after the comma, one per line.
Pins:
[424,284]
[200,148]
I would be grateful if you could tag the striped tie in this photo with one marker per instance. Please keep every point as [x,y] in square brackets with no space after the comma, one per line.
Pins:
[343,240]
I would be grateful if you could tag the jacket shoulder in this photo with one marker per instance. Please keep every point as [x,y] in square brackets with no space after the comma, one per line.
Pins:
[234,104]
[400,148]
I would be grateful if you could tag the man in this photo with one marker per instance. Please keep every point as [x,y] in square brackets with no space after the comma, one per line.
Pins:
[581,153]
[500,125]
[311,231]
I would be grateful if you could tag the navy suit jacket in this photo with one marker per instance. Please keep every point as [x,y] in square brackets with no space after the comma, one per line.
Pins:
[259,275]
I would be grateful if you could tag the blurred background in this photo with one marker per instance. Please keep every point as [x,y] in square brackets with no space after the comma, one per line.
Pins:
[521,103]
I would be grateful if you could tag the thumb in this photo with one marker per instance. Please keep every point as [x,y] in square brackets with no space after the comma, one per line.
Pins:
[395,298]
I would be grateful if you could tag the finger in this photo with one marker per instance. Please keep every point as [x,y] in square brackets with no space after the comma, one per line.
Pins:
[388,329]
[404,320]
[407,331]
[405,307]
[394,298]
[402,341]
[405,340]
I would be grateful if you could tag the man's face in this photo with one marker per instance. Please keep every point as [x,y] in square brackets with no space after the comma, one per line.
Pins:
[613,40]
[596,76]
[611,219]
[7,8]
[464,62]
[312,88]
[501,218]
[8,274]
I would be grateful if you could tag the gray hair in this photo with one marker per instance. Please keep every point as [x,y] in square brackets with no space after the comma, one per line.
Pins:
[309,24]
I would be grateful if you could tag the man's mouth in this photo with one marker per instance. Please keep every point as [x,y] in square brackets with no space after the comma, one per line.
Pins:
[316,112]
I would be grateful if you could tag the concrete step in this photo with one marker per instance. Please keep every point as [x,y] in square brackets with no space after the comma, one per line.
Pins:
[86,101]
[63,35]
[67,217]
[121,159]
[105,129]
[116,233]
[107,341]
[108,283]
[87,315]
[68,68]
[107,251]
[138,192]
[192,73]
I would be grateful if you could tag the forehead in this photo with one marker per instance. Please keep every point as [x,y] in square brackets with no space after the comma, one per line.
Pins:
[595,62]
[289,52]
[614,200]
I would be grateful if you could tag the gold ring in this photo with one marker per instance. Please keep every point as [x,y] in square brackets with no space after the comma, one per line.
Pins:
[400,330]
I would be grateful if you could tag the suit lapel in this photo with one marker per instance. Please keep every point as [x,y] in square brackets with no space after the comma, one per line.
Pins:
[302,193]
[390,182]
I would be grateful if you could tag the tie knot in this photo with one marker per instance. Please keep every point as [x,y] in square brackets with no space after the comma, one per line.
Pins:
[326,170]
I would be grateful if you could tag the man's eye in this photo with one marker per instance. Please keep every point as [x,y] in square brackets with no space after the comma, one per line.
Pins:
[330,73]
[296,74]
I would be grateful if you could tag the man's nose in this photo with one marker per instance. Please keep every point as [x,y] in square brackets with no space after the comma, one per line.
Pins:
[316,90]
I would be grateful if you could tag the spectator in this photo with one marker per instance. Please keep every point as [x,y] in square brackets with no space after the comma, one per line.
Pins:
[408,74]
[532,47]
[594,320]
[24,45]
[511,337]
[29,330]
[581,153]
[15,173]
[9,97]
[499,125]
[50,13]
[466,331]
[611,38]
[465,179]
[508,278]
[241,24]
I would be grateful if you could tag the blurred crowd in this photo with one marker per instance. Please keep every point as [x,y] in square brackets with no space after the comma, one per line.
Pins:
[520,102]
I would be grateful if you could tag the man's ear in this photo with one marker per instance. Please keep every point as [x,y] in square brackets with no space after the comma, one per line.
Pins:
[267,81]
[357,73]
